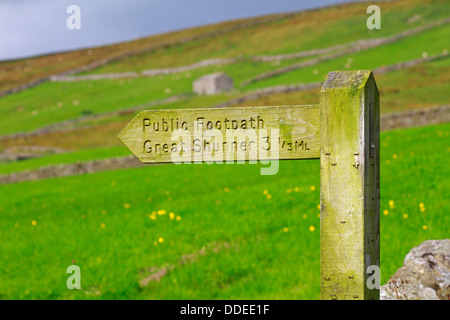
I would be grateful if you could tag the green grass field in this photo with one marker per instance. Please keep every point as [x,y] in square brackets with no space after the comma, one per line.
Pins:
[231,242]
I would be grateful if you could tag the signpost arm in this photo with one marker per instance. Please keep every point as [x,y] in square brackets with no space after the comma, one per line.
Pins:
[349,184]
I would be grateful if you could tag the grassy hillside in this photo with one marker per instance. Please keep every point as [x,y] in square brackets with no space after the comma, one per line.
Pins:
[421,86]
[23,71]
[63,158]
[306,30]
[268,34]
[245,245]
[51,103]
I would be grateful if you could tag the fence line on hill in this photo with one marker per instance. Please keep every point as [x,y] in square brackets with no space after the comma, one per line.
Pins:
[357,46]
[69,124]
[314,52]
[144,73]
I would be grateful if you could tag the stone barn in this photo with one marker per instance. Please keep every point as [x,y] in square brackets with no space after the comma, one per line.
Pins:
[213,83]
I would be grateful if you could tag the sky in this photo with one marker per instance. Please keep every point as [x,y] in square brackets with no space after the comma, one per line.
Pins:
[34,27]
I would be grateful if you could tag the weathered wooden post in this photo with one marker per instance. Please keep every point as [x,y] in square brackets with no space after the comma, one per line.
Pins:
[349,184]
[347,144]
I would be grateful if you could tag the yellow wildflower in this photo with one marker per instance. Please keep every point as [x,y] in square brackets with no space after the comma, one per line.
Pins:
[385,212]
[126,205]
[285,229]
[313,188]
[34,222]
[312,228]
[161,212]
[391,204]
[160,239]
[171,215]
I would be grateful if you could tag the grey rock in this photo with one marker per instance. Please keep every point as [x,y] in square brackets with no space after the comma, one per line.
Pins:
[425,274]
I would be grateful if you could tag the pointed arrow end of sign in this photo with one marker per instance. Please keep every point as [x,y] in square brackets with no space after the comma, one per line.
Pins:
[124,135]
[121,135]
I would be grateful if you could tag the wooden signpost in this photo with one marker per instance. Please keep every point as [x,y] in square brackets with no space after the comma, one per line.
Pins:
[343,131]
[150,135]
